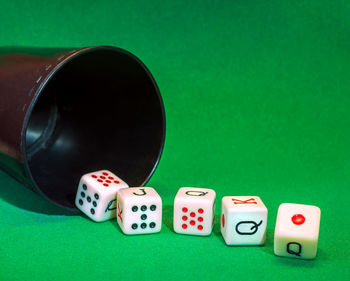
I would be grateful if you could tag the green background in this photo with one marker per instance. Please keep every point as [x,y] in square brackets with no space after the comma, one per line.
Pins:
[257,98]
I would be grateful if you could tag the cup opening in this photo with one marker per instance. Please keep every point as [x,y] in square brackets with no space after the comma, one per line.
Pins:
[101,109]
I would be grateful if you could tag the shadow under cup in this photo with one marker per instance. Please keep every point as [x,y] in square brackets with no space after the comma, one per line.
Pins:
[99,109]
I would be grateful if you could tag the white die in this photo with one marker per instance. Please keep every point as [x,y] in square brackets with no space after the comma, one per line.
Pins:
[194,211]
[139,210]
[297,229]
[96,194]
[243,220]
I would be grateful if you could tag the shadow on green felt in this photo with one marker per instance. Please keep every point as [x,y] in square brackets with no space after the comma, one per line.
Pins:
[167,217]
[22,197]
[14,191]
[268,246]
[297,263]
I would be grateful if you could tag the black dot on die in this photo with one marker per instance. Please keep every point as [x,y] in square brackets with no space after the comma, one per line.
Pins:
[81,202]
[96,196]
[153,207]
[152,225]
[92,211]
[134,226]
[82,194]
[143,225]
[88,199]
[143,217]
[84,187]
[94,203]
[134,208]
[143,208]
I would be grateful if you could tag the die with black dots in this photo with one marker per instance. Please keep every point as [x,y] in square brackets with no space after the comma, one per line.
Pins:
[139,210]
[96,195]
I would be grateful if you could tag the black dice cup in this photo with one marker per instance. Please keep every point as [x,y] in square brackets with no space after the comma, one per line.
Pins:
[67,112]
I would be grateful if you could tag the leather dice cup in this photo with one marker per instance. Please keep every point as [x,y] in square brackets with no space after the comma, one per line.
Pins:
[66,112]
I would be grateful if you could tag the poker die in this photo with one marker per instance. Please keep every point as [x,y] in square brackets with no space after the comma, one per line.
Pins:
[139,210]
[96,195]
[194,211]
[243,220]
[297,230]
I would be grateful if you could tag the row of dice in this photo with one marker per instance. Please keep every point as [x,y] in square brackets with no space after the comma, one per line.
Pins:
[243,221]
[102,195]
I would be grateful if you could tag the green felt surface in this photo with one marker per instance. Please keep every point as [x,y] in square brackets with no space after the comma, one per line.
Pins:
[257,97]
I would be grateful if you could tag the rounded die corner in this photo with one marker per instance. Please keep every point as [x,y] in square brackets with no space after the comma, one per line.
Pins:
[121,191]
[318,210]
[283,205]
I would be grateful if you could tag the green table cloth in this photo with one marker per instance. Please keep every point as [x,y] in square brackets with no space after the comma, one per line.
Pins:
[257,98]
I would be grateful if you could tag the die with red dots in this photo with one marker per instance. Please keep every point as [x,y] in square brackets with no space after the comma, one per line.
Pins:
[96,195]
[297,230]
[194,211]
[139,210]
[243,220]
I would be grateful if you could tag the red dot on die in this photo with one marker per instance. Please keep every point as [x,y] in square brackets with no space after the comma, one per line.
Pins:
[116,181]
[200,219]
[108,181]
[105,184]
[200,211]
[100,180]
[298,219]
[223,220]
[184,218]
[106,174]
[184,226]
[102,177]
[184,209]
[200,227]
[192,214]
[111,178]
[94,176]
[192,222]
